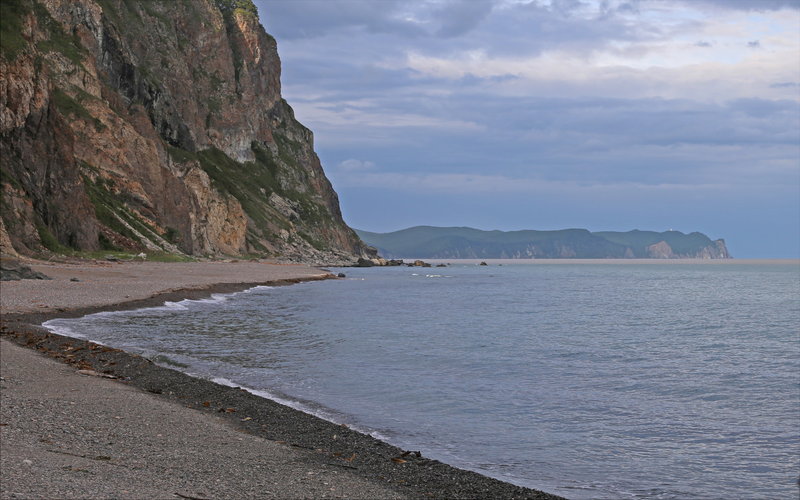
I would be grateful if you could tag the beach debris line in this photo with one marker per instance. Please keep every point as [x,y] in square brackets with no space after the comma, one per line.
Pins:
[190,497]
[93,373]
[406,456]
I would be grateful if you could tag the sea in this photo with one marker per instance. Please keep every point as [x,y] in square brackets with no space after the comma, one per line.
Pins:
[588,379]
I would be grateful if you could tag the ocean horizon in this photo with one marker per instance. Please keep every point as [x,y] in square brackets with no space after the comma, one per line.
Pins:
[589,379]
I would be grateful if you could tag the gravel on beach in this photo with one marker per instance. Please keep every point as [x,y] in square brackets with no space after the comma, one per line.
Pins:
[104,423]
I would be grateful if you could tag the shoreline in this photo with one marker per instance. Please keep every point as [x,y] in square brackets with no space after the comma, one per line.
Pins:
[655,262]
[374,466]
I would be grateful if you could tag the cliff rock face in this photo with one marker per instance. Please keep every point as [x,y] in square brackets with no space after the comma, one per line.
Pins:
[156,126]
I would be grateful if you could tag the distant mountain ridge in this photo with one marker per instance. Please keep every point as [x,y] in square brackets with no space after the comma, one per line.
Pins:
[428,242]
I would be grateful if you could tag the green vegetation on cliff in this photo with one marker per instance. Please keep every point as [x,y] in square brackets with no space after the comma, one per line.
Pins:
[190,147]
[11,39]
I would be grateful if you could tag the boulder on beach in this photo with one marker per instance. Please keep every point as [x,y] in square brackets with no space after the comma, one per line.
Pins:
[13,270]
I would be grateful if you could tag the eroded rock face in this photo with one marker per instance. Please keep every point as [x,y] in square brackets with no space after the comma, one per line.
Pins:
[660,250]
[158,124]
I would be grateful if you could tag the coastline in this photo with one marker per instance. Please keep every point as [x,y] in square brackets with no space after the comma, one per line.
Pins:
[359,465]
[616,262]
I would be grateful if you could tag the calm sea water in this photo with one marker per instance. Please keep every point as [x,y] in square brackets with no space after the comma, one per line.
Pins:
[601,380]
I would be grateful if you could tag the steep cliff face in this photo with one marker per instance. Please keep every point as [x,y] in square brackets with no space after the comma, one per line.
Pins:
[156,126]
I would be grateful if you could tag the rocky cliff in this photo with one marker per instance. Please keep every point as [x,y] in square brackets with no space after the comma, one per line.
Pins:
[156,126]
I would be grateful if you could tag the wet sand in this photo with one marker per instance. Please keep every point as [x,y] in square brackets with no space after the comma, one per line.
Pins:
[152,432]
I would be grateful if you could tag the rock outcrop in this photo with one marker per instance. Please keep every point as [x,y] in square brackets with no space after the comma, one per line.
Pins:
[156,126]
[13,270]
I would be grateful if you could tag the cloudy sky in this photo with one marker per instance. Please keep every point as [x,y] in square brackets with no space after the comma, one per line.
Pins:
[550,114]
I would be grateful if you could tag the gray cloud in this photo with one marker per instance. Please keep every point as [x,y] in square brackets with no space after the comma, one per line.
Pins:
[315,18]
[460,17]
[440,27]
[756,5]
[785,85]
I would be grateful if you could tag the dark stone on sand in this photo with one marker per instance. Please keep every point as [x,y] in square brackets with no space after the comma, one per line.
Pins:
[341,275]
[484,264]
[12,270]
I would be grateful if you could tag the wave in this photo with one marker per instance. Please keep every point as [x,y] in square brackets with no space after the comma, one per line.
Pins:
[310,408]
[57,325]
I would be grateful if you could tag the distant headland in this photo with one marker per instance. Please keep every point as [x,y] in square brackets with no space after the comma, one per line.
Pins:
[469,243]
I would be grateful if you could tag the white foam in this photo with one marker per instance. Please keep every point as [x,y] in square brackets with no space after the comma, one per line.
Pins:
[181,305]
[177,306]
[297,405]
[62,330]
[67,331]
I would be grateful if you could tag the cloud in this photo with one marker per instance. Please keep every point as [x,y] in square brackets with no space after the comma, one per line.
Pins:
[565,74]
[353,165]
[460,17]
[316,18]
[368,113]
[785,85]
[754,5]
[745,143]
[425,18]
[464,184]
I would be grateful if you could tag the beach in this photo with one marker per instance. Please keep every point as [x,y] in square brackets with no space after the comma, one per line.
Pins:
[81,420]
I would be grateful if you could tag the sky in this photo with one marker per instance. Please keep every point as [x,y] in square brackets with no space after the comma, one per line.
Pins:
[552,114]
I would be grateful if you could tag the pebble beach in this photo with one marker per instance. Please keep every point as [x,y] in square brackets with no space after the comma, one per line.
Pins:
[81,420]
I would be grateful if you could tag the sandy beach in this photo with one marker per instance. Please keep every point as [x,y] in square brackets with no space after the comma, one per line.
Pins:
[79,420]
